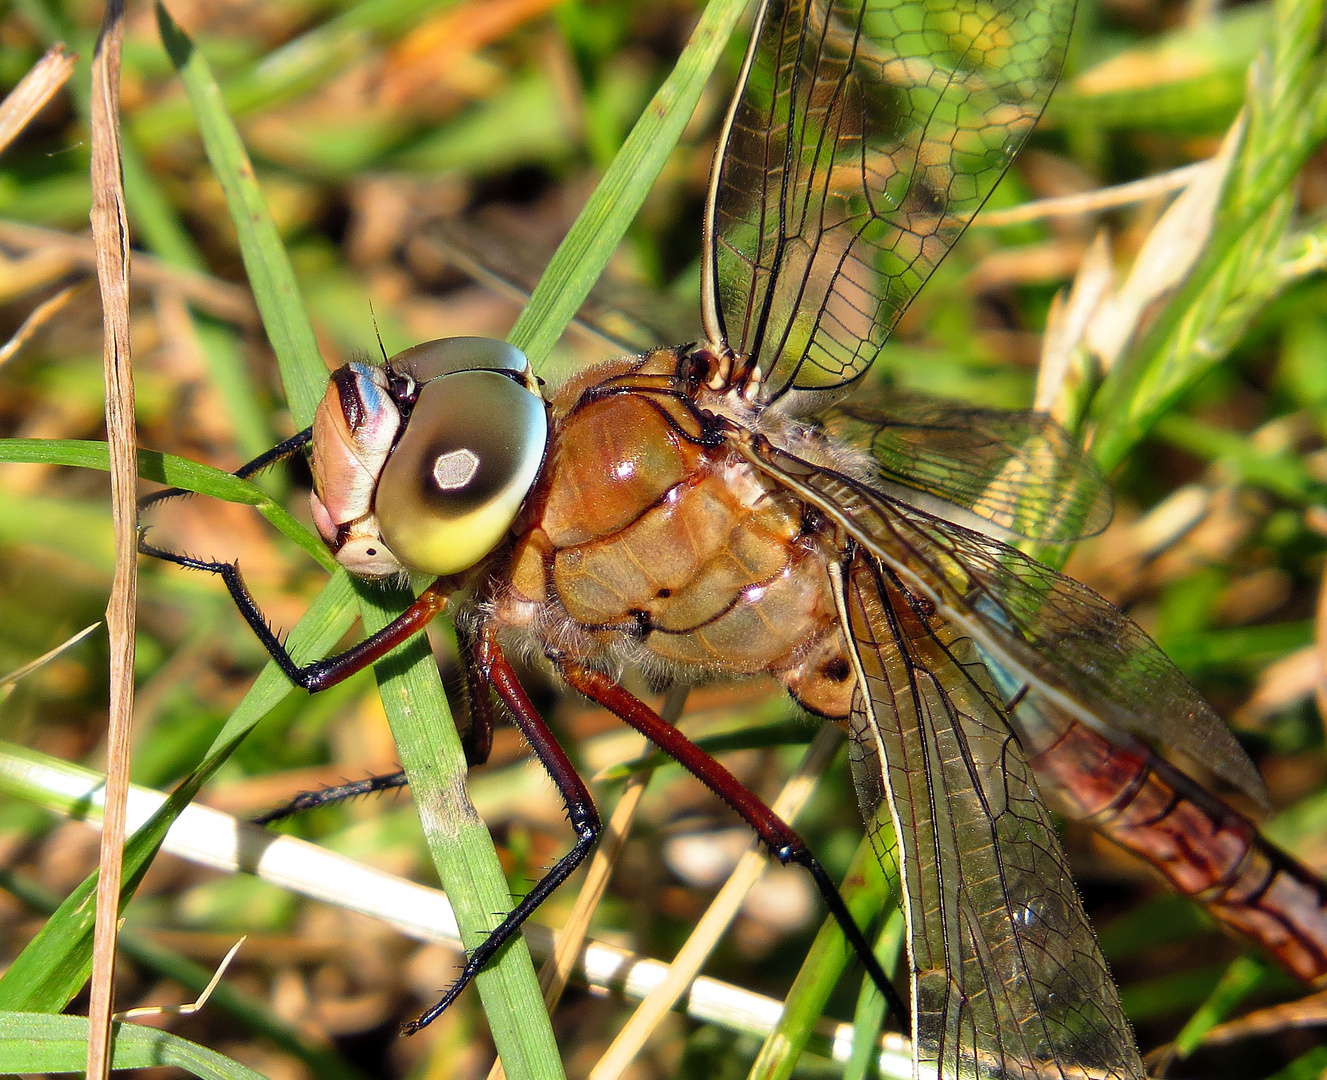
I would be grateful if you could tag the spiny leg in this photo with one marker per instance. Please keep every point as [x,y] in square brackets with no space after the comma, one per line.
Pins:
[279,452]
[319,674]
[477,741]
[780,837]
[329,796]
[581,812]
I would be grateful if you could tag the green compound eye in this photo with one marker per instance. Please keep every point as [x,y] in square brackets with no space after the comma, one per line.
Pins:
[470,453]
[447,356]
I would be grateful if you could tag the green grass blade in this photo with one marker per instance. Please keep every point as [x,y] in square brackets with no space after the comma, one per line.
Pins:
[173,471]
[1287,120]
[265,261]
[587,247]
[1309,1067]
[42,1043]
[872,1009]
[1241,979]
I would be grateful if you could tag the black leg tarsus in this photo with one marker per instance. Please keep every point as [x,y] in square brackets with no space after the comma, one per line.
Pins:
[280,452]
[581,812]
[829,892]
[486,950]
[329,796]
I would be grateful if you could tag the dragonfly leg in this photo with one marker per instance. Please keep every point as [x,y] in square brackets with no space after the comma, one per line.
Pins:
[309,800]
[320,674]
[268,458]
[777,834]
[477,740]
[581,812]
[331,670]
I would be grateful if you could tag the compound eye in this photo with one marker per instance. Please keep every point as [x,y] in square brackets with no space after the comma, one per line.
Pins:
[469,455]
[447,356]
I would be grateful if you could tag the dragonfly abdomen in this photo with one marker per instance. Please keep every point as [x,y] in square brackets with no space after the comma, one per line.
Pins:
[1205,849]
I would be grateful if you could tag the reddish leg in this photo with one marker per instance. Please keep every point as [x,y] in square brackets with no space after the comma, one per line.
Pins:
[478,738]
[581,812]
[777,834]
[330,670]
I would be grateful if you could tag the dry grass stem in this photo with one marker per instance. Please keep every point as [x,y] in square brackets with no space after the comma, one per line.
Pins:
[1092,202]
[110,232]
[1310,1011]
[32,93]
[227,302]
[39,317]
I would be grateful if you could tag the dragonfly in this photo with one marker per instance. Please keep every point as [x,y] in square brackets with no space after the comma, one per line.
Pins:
[724,509]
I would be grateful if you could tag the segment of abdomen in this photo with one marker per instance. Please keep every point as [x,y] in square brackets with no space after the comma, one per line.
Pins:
[1204,848]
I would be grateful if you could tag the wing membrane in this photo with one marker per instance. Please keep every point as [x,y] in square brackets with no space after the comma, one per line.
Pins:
[1007,977]
[1020,471]
[1086,657]
[866,135]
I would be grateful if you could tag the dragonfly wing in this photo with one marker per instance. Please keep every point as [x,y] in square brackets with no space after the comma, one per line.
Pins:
[1039,628]
[865,136]
[1019,471]
[1007,978]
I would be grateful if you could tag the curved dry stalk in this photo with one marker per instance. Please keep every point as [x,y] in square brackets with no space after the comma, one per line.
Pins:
[1091,202]
[34,90]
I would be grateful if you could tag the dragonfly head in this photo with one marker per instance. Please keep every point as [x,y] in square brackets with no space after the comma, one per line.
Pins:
[422,464]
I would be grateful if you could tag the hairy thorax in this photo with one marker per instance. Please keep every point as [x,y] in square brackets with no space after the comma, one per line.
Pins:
[647,539]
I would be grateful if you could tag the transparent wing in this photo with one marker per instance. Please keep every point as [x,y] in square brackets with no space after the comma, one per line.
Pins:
[1087,658]
[1020,471]
[1007,978]
[865,136]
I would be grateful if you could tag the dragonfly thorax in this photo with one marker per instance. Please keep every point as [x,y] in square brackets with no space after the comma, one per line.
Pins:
[649,539]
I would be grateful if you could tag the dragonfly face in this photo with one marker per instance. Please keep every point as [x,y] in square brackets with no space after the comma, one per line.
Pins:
[671,507]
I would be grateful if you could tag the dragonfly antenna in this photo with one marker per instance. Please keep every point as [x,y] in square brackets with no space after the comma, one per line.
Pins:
[377,333]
